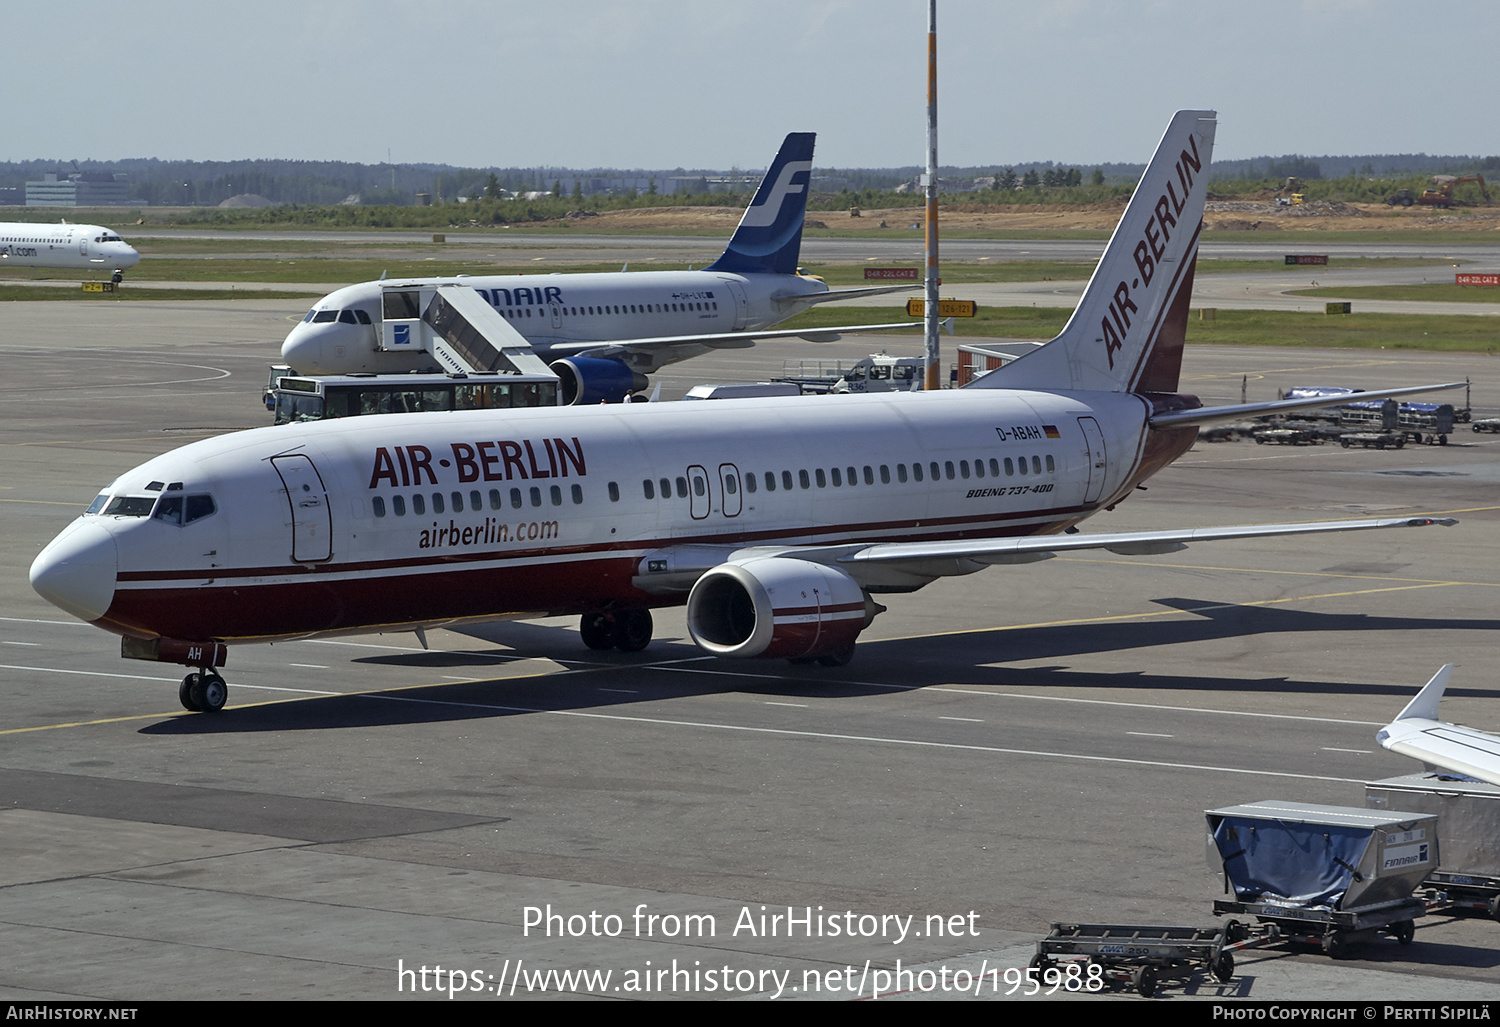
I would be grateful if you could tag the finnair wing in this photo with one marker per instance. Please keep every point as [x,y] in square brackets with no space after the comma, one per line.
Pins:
[1416,732]
[1212,415]
[845,294]
[718,340]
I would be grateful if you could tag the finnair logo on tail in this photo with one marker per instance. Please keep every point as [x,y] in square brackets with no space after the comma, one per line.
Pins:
[764,215]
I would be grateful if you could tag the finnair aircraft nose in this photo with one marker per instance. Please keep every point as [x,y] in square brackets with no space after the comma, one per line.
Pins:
[76,572]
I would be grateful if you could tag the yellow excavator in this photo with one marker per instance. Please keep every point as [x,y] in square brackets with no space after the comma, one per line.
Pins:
[1442,195]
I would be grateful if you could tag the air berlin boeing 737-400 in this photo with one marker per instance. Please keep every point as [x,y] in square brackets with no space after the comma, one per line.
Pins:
[775,520]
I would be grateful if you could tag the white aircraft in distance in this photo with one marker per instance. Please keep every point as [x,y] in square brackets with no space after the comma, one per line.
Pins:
[604,332]
[776,520]
[1416,732]
[66,246]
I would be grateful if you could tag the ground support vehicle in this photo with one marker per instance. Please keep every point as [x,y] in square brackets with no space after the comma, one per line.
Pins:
[1488,424]
[1288,436]
[1145,956]
[1422,423]
[1325,875]
[1369,439]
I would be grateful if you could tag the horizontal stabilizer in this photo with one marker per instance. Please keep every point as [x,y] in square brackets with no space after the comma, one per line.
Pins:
[1243,411]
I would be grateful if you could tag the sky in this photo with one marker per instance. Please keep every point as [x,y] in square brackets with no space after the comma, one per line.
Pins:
[677,83]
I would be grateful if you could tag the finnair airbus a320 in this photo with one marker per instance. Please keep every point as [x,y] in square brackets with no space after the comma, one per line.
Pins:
[603,333]
[775,520]
[65,246]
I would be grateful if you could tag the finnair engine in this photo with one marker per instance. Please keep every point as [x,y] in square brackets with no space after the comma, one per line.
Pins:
[779,607]
[590,380]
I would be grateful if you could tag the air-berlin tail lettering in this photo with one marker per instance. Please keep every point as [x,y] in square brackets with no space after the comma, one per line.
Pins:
[1149,250]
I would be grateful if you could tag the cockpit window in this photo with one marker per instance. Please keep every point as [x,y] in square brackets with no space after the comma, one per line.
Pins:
[180,509]
[324,316]
[346,317]
[309,316]
[364,318]
[130,506]
[98,503]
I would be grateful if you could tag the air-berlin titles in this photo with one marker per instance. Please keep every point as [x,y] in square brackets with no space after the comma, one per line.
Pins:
[1150,249]
[503,460]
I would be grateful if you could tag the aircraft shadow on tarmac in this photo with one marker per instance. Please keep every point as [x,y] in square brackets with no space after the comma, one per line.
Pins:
[613,680]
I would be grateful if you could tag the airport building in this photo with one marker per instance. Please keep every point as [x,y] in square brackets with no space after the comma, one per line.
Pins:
[80,189]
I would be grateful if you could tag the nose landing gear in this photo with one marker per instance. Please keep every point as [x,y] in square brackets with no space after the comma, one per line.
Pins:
[203,691]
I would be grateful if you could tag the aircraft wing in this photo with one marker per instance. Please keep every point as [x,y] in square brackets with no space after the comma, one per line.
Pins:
[1031,548]
[1416,732]
[719,340]
[1240,411]
[906,566]
[845,294]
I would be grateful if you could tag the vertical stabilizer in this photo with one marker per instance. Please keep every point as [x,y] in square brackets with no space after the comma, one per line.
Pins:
[769,237]
[1127,333]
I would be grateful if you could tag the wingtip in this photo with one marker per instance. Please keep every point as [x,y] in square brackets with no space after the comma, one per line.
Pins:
[1425,705]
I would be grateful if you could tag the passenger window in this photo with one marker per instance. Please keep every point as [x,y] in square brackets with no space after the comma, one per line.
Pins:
[698,487]
[979,468]
[515,499]
[730,485]
[786,480]
[1009,472]
[614,492]
[495,501]
[900,473]
[994,468]
[885,474]
[418,504]
[536,496]
[963,468]
[681,487]
[555,494]
[398,504]
[457,499]
[770,481]
[854,476]
[1050,465]
[822,481]
[666,488]
[838,479]
[648,489]
[378,505]
[916,472]
[936,474]
[750,482]
[474,501]
[437,502]
[1036,465]
[1021,464]
[802,478]
[577,491]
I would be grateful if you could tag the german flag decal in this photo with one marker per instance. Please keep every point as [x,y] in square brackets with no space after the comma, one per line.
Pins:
[1050,430]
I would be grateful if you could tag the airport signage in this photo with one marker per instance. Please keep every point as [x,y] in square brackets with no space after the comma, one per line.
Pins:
[880,274]
[946,308]
[1476,279]
[98,286]
[1307,258]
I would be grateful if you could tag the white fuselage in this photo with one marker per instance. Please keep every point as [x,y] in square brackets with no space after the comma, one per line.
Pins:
[340,335]
[424,519]
[64,246]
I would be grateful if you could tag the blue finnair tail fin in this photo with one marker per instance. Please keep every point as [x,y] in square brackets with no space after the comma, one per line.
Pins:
[1127,333]
[769,237]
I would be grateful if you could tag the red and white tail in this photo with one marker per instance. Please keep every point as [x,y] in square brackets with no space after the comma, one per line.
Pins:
[1126,334]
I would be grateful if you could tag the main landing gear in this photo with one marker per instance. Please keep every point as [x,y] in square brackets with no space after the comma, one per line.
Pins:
[626,630]
[203,691]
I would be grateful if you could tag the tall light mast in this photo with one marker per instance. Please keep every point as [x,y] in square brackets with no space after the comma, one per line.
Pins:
[933,359]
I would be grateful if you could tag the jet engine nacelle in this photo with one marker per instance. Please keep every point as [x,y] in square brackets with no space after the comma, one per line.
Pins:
[778,607]
[589,380]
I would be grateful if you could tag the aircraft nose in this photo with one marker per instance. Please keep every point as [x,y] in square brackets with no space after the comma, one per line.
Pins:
[130,256]
[303,348]
[76,572]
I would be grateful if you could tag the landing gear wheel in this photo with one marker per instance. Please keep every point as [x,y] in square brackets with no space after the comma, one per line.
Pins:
[633,630]
[208,692]
[185,693]
[1144,980]
[1223,967]
[1405,931]
[597,631]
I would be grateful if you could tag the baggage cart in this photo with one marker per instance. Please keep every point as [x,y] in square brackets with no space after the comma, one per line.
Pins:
[1468,812]
[1326,875]
[1144,956]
